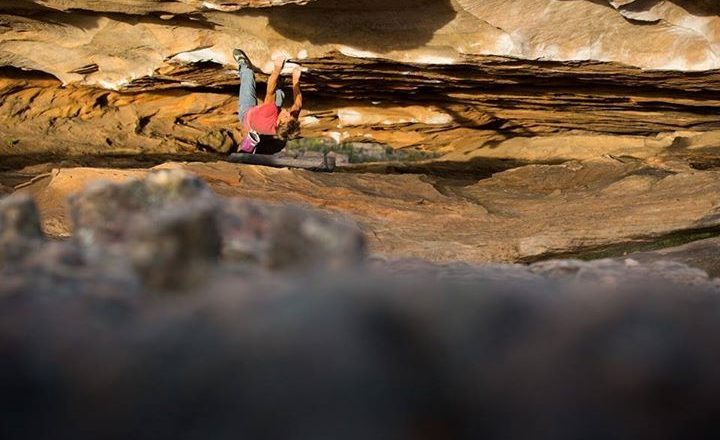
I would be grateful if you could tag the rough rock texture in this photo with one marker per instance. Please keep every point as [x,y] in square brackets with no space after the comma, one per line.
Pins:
[403,72]
[173,229]
[380,359]
[216,368]
[703,254]
[603,208]
[289,236]
[395,350]
[20,231]
[575,273]
[429,31]
[168,230]
[171,312]
[165,225]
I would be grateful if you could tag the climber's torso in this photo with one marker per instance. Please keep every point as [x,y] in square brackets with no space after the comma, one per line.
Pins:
[262,118]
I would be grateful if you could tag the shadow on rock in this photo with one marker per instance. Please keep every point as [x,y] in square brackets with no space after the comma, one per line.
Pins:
[376,25]
[359,356]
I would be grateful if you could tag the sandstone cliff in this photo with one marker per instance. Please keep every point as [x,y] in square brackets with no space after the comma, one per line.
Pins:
[463,77]
[200,299]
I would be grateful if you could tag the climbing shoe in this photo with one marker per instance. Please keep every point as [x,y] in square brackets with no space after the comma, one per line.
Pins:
[240,57]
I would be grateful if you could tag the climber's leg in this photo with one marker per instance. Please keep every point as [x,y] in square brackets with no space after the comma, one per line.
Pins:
[248,94]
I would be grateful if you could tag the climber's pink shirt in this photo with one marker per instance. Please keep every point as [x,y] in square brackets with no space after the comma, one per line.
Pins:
[262,118]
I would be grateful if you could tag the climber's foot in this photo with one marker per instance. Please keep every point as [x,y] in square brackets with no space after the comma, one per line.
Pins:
[241,58]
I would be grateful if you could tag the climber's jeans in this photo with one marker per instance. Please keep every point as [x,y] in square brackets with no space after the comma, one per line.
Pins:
[248,96]
[248,93]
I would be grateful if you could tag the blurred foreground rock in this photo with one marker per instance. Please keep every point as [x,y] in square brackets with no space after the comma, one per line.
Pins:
[289,236]
[282,333]
[357,355]
[703,254]
[20,232]
[170,230]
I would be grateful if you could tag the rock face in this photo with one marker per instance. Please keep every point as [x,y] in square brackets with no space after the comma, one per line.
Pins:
[529,213]
[158,77]
[122,367]
[702,254]
[166,226]
[422,31]
[172,229]
[166,307]
[93,347]
[20,231]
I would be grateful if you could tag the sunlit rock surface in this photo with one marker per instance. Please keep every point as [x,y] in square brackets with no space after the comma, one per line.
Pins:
[285,304]
[148,76]
[677,35]
[529,213]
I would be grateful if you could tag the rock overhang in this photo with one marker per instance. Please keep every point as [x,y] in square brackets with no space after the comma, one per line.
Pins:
[621,68]
[130,40]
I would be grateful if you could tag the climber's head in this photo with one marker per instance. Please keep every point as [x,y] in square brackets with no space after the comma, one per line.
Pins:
[288,126]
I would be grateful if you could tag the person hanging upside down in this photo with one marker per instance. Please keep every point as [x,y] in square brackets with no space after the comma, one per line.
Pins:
[267,124]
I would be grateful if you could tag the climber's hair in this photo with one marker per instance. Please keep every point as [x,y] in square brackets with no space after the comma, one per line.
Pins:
[289,129]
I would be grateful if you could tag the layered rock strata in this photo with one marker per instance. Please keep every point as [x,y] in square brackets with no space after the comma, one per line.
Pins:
[157,76]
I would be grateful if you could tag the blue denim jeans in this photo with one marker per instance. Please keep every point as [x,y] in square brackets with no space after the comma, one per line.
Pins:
[248,94]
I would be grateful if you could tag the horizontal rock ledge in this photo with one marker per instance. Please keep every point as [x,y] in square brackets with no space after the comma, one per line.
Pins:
[459,108]
[446,76]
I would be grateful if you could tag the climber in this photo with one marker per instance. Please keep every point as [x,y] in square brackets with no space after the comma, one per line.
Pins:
[267,127]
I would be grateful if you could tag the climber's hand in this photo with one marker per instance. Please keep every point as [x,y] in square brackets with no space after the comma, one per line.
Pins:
[296,74]
[279,63]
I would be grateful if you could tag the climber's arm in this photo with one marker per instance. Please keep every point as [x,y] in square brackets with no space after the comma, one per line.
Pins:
[297,93]
[273,80]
